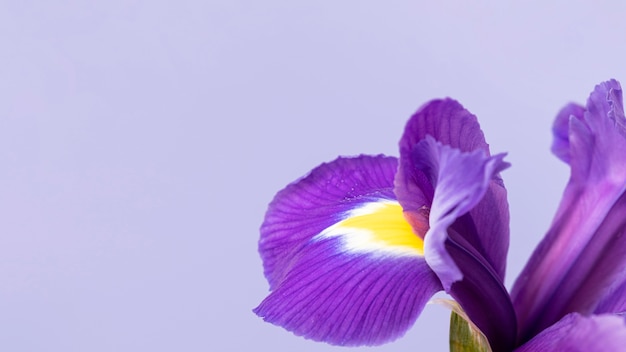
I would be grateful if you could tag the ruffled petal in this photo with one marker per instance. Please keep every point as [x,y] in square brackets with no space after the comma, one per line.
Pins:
[346,267]
[580,260]
[577,333]
[461,179]
[450,124]
[560,129]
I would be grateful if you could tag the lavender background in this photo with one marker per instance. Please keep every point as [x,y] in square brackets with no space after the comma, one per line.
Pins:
[140,142]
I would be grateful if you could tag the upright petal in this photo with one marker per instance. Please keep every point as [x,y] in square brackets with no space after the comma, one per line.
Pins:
[614,301]
[576,333]
[461,180]
[345,266]
[447,175]
[580,259]
[450,124]
[447,122]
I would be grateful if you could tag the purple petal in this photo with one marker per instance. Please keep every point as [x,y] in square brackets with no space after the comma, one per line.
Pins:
[345,266]
[598,270]
[598,333]
[347,298]
[614,301]
[461,180]
[483,297]
[446,174]
[450,124]
[560,129]
[580,261]
[308,206]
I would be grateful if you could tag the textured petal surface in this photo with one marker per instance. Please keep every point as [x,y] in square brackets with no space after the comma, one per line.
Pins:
[614,301]
[345,266]
[580,262]
[308,206]
[450,124]
[346,298]
[447,175]
[576,333]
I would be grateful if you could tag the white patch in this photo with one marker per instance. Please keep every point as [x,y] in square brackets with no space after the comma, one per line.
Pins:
[359,240]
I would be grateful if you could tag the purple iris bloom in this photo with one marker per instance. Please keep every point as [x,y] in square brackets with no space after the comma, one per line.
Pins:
[355,249]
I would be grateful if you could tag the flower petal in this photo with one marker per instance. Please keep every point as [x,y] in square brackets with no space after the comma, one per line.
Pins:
[574,332]
[346,267]
[579,260]
[560,129]
[450,124]
[447,175]
[350,298]
[614,301]
[483,297]
[461,179]
[308,206]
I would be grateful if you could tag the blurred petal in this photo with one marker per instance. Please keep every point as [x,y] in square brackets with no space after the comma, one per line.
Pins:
[560,129]
[450,124]
[614,301]
[580,261]
[346,267]
[576,333]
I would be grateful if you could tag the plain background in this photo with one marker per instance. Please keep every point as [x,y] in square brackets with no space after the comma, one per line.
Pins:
[140,142]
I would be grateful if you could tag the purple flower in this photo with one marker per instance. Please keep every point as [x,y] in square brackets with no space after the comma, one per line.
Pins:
[354,250]
[580,266]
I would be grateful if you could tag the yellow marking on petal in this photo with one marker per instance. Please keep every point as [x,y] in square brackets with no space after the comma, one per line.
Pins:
[378,226]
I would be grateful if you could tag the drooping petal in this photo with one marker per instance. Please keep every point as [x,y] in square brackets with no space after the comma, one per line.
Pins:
[346,267]
[580,260]
[322,198]
[350,299]
[450,124]
[577,333]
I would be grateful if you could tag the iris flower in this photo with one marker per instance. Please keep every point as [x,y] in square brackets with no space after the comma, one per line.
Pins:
[355,249]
